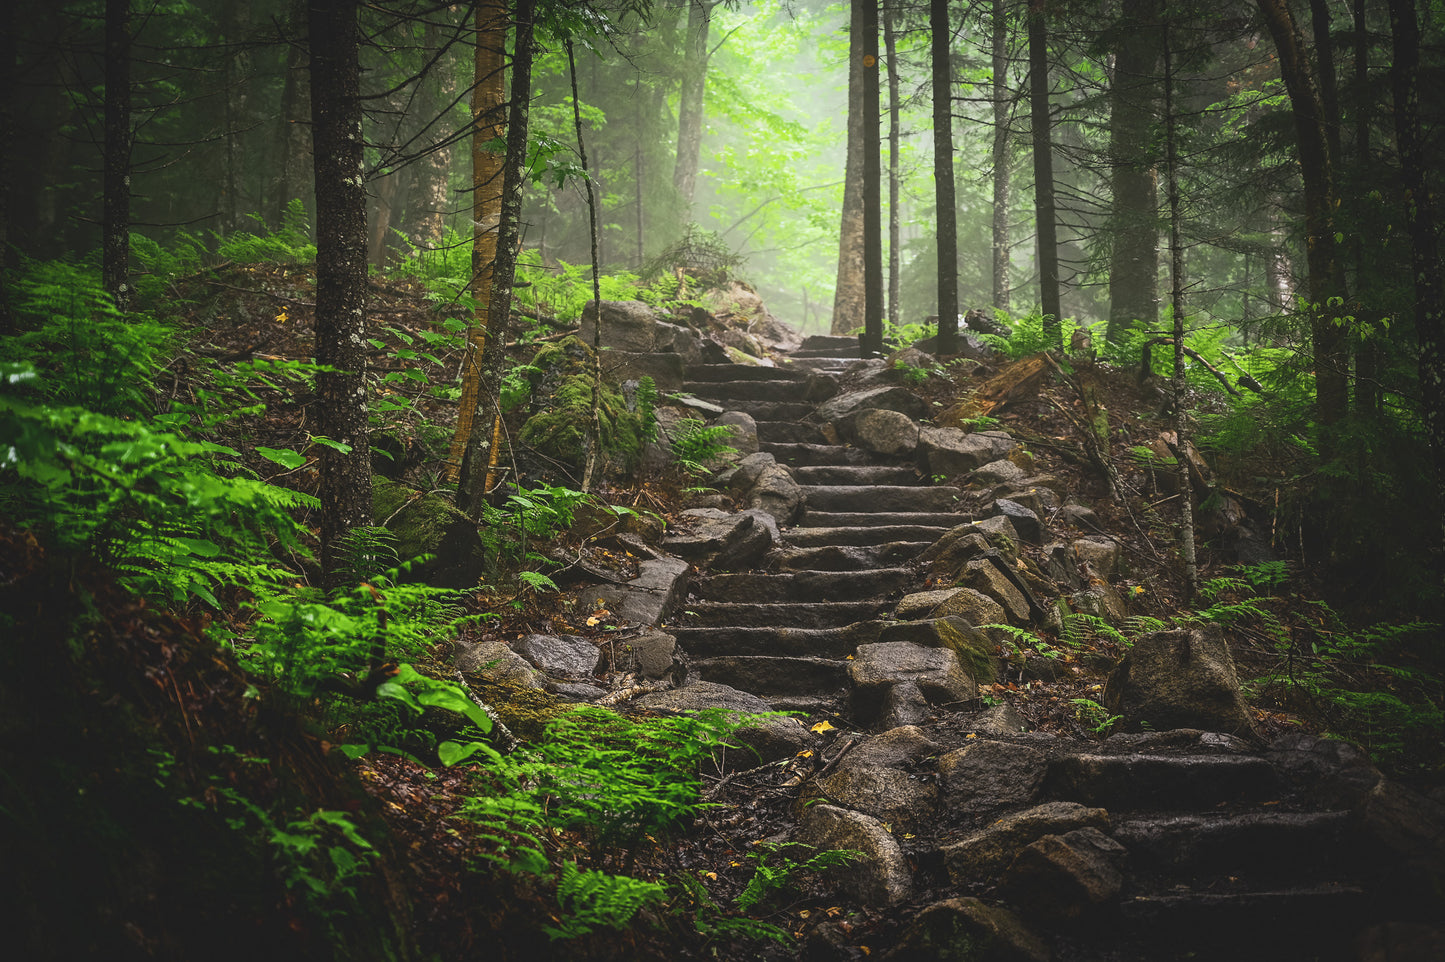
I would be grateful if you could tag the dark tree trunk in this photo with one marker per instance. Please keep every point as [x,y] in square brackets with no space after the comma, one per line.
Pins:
[895,214]
[293,130]
[872,184]
[237,14]
[1326,282]
[1368,394]
[1134,99]
[483,447]
[1002,184]
[9,83]
[946,207]
[690,100]
[1047,228]
[849,298]
[115,204]
[340,274]
[1424,237]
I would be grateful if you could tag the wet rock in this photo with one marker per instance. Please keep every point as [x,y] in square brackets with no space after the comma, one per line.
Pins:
[779,736]
[981,856]
[1024,521]
[496,663]
[723,540]
[972,647]
[1336,772]
[564,655]
[645,600]
[886,433]
[951,452]
[1067,878]
[987,775]
[995,473]
[654,655]
[967,930]
[882,876]
[876,778]
[1179,679]
[1170,781]
[946,556]
[897,683]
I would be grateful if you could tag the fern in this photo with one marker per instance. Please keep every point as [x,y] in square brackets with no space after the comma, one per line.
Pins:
[1079,627]
[694,444]
[592,900]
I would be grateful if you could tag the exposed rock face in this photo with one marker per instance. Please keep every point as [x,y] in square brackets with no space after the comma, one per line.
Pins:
[560,655]
[882,876]
[986,775]
[988,852]
[896,683]
[1179,679]
[497,663]
[886,433]
[1067,878]
[874,778]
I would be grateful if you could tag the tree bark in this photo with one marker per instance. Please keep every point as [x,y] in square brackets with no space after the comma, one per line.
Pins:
[592,469]
[478,473]
[690,101]
[9,82]
[849,299]
[895,214]
[431,196]
[1326,281]
[237,17]
[293,122]
[115,202]
[1047,227]
[1002,184]
[340,274]
[945,205]
[1420,219]
[1134,232]
[872,185]
[488,126]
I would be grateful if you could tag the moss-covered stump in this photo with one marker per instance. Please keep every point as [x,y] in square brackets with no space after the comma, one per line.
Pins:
[562,410]
[426,523]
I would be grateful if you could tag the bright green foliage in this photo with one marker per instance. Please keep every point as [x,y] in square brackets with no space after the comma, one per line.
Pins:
[290,245]
[1093,715]
[775,868]
[591,900]
[694,444]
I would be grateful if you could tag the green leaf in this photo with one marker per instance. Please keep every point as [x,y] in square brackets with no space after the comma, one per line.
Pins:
[285,457]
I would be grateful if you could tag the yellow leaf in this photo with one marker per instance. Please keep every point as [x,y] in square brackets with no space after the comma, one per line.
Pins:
[865,950]
[971,735]
[806,753]
[593,622]
[804,914]
[710,875]
[822,726]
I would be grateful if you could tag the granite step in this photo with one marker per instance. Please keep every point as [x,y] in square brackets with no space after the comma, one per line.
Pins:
[836,556]
[856,474]
[809,587]
[879,497]
[837,642]
[823,614]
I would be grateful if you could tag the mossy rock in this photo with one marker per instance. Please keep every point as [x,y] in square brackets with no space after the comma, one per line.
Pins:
[430,524]
[525,711]
[559,430]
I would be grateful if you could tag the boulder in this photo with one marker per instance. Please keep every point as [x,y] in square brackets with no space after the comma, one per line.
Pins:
[882,876]
[952,452]
[1179,679]
[875,778]
[1101,600]
[1067,878]
[986,775]
[972,648]
[967,930]
[722,540]
[979,858]
[946,556]
[973,606]
[770,739]
[667,370]
[886,433]
[985,577]
[994,473]
[1024,521]
[652,654]
[898,683]
[776,493]
[920,604]
[496,663]
[647,599]
[569,656]
[1097,557]
[626,326]
[745,433]
[738,340]
[841,410]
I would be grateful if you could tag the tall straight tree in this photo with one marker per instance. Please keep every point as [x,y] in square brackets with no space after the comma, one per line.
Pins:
[340,273]
[482,451]
[895,136]
[1326,289]
[1134,101]
[691,98]
[946,208]
[872,342]
[1002,175]
[849,298]
[1046,219]
[115,200]
[488,128]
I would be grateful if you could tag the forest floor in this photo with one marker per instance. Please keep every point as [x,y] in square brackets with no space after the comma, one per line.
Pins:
[261,312]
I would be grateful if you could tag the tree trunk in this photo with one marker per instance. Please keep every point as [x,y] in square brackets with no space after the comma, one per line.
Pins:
[1326,282]
[946,207]
[690,101]
[237,15]
[1424,236]
[592,469]
[1134,100]
[431,192]
[1368,393]
[340,274]
[1047,228]
[872,185]
[115,204]
[293,119]
[483,450]
[1002,185]
[9,82]
[849,299]
[1177,281]
[488,125]
[895,214]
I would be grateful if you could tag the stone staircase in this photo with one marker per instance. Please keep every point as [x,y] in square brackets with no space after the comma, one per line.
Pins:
[1159,846]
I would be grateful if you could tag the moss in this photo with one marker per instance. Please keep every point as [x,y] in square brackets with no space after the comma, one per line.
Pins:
[419,521]
[525,711]
[560,432]
[973,649]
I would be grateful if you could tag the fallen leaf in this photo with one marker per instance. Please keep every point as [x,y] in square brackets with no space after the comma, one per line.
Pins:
[823,726]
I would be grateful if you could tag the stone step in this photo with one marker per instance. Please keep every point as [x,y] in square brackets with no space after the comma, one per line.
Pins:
[795,454]
[808,587]
[846,345]
[793,642]
[824,614]
[770,410]
[837,556]
[771,677]
[1319,920]
[734,391]
[1281,845]
[856,474]
[864,519]
[878,497]
[863,535]
[1139,781]
[741,372]
[789,431]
